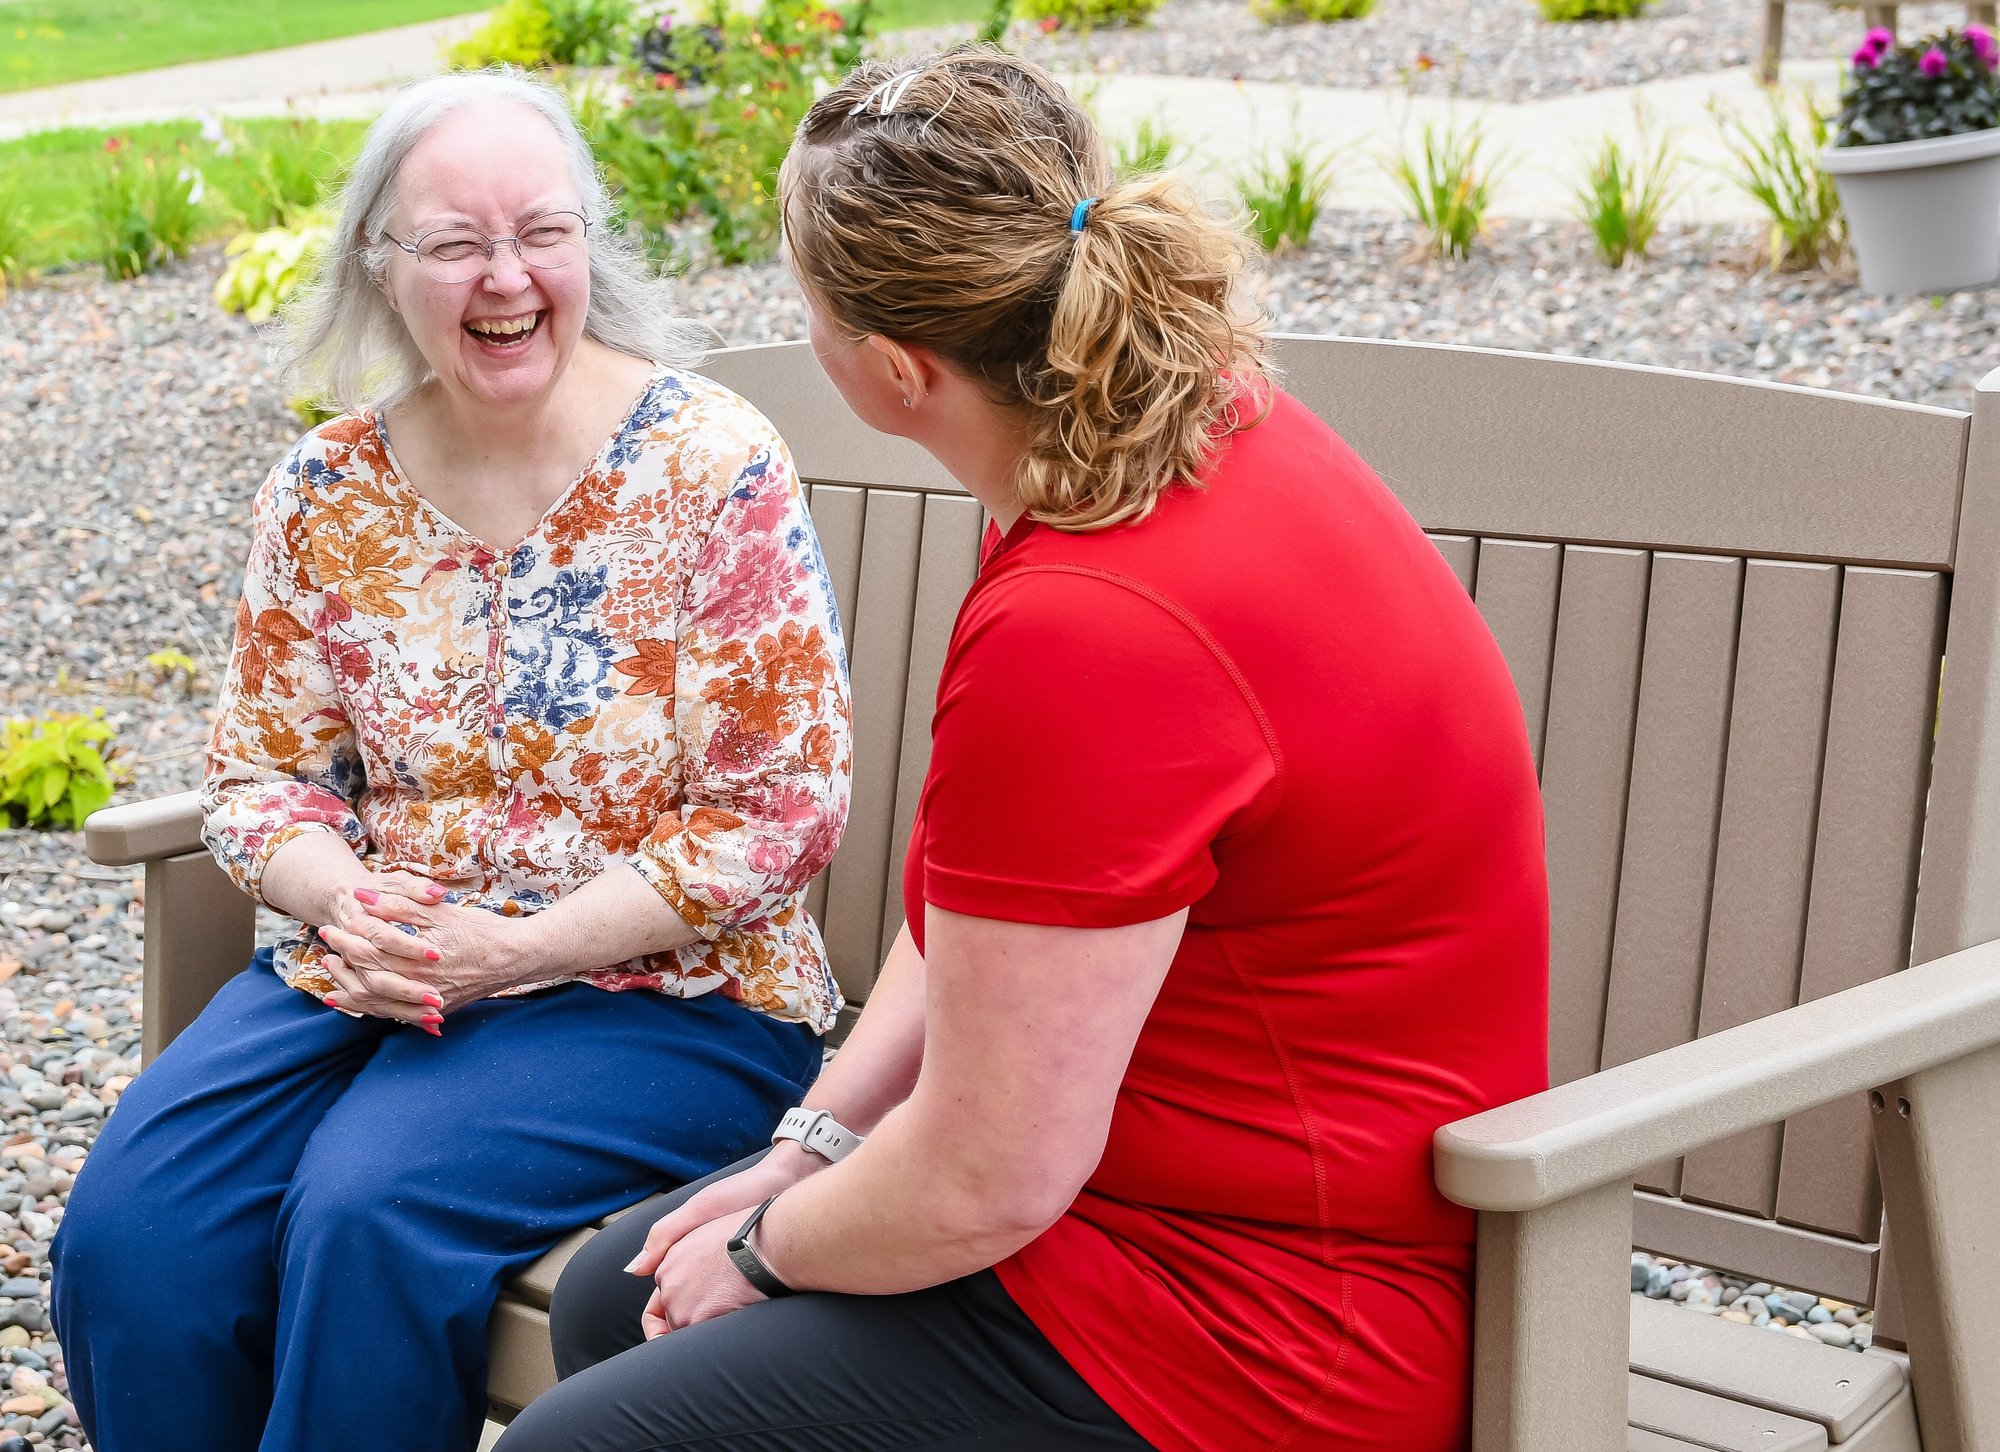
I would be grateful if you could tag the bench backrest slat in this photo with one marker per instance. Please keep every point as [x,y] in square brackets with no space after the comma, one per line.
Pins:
[1586,767]
[1722,604]
[1516,586]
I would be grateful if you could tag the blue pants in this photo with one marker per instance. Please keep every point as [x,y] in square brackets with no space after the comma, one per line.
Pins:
[292,1230]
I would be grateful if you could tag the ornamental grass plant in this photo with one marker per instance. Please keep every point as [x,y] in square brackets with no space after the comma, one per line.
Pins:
[1779,169]
[17,227]
[1150,147]
[1564,10]
[1623,195]
[1943,85]
[1448,185]
[1310,12]
[144,211]
[1285,193]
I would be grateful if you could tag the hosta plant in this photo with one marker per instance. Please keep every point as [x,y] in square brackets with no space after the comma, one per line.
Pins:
[53,772]
[266,268]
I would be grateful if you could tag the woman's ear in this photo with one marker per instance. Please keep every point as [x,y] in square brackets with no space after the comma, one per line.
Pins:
[912,369]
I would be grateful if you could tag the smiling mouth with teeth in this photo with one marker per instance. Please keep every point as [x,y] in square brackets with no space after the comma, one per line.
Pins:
[504,332]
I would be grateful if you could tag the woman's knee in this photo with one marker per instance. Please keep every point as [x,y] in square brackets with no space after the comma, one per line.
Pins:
[595,1307]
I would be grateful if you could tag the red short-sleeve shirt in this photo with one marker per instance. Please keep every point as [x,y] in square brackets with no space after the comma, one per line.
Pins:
[1273,704]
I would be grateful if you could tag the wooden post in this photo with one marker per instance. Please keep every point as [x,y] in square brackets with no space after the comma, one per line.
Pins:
[1941,1179]
[200,932]
[1774,42]
[1549,1373]
[1983,12]
[1882,15]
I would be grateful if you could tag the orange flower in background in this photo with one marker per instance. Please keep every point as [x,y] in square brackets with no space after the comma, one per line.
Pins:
[1426,61]
[1048,24]
[114,143]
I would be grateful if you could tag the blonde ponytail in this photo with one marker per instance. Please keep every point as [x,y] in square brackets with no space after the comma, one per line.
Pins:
[933,202]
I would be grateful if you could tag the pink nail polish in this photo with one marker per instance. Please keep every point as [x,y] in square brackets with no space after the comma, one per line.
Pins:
[433,1000]
[434,890]
[367,895]
[433,954]
[433,1030]
[331,1000]
[431,1018]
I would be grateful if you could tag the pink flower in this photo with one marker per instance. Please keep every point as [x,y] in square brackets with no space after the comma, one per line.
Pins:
[1983,45]
[1934,62]
[1864,57]
[1881,37]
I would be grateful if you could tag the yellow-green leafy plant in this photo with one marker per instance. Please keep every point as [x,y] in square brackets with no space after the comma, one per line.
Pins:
[1622,195]
[1448,185]
[174,667]
[1780,169]
[271,176]
[1310,12]
[519,33]
[1592,9]
[52,771]
[266,268]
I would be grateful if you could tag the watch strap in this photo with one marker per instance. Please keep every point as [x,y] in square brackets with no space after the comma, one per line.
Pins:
[743,1255]
[818,1131]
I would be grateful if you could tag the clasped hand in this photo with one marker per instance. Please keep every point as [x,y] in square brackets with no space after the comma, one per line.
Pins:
[398,950]
[686,1251]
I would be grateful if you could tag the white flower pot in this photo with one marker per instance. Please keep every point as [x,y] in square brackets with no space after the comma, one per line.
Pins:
[1923,216]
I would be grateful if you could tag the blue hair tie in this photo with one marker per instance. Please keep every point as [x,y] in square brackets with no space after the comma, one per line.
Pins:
[1081,214]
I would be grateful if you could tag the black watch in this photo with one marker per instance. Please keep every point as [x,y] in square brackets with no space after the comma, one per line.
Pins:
[744,1257]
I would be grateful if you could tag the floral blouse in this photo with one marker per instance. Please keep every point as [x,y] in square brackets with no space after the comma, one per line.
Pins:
[653,676]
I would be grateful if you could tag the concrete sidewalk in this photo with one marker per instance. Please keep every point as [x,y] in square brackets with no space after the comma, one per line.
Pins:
[344,77]
[1226,122]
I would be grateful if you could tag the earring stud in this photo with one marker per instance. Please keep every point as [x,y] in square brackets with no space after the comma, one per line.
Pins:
[906,403]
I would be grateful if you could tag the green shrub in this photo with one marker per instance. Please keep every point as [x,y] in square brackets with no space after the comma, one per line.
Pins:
[1088,14]
[1592,9]
[1152,146]
[589,32]
[1449,186]
[144,210]
[1780,170]
[1311,12]
[1622,198]
[51,771]
[704,124]
[269,176]
[519,33]
[267,267]
[1285,194]
[17,230]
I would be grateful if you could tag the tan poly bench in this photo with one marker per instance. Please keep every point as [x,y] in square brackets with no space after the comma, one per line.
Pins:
[1724,604]
[1978,12]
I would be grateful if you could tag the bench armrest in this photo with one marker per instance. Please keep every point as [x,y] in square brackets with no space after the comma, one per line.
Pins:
[1604,1128]
[144,831]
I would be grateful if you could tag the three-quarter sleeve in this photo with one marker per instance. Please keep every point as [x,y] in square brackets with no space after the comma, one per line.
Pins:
[283,758]
[761,711]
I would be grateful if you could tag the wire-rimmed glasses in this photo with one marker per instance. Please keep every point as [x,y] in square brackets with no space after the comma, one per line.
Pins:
[458,254]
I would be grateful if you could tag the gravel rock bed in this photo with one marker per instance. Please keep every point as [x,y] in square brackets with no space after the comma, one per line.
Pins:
[136,422]
[1754,1303]
[1498,50]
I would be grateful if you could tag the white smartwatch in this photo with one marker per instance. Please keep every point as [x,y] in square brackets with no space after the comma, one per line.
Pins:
[819,1132]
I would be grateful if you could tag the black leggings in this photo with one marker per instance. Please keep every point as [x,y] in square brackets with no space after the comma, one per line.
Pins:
[959,1365]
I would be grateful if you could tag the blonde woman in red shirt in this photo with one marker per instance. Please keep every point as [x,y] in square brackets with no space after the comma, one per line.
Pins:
[1226,887]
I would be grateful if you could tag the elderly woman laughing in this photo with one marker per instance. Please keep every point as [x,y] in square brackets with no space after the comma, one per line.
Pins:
[537,696]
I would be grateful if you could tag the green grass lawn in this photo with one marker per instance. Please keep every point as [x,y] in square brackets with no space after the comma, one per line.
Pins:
[915,14]
[56,174]
[47,42]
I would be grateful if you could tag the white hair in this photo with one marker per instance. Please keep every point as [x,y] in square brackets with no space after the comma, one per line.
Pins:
[348,346]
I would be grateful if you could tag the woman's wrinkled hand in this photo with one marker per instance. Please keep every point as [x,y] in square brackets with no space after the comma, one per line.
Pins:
[457,954]
[376,967]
